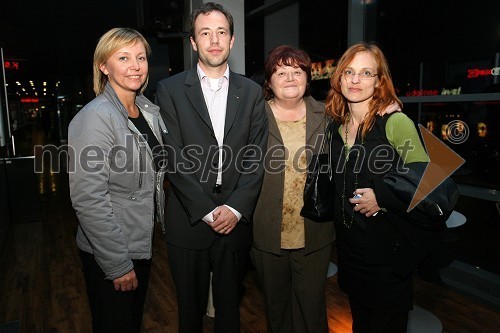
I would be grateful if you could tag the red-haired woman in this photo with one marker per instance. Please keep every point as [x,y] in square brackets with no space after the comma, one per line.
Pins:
[372,235]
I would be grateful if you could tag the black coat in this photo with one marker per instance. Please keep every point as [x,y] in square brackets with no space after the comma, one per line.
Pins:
[191,195]
[376,254]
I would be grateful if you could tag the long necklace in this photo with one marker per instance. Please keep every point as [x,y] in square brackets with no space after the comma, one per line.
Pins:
[346,152]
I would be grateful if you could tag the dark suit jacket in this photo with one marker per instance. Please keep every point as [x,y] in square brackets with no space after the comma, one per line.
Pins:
[193,156]
[268,213]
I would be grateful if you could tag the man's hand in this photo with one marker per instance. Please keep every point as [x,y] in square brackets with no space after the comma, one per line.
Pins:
[224,220]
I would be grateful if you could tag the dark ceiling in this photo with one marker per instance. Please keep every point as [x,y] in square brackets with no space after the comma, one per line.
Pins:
[52,39]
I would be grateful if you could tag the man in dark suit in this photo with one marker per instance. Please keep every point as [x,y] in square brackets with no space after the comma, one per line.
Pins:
[217,132]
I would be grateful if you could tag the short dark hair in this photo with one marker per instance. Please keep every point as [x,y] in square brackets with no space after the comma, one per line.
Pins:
[206,9]
[285,55]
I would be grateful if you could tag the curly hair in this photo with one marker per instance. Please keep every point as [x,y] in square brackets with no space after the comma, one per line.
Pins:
[285,55]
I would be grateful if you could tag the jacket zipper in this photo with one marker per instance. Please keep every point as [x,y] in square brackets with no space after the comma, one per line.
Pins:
[140,159]
[140,168]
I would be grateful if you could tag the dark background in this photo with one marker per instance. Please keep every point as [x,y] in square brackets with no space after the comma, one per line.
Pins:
[54,38]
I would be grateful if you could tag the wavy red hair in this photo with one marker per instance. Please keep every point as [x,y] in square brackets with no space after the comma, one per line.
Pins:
[383,96]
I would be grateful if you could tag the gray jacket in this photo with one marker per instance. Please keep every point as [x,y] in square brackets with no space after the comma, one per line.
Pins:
[113,183]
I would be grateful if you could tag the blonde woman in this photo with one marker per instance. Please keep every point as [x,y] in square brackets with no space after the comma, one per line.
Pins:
[116,187]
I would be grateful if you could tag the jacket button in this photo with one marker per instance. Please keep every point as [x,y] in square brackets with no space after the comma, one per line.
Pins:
[395,248]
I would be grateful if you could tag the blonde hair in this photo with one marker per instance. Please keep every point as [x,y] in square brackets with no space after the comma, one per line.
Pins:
[109,43]
[383,96]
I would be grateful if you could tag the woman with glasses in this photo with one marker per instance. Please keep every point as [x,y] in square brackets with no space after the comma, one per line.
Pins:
[371,241]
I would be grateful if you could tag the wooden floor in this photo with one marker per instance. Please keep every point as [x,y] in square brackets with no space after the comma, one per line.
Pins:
[42,287]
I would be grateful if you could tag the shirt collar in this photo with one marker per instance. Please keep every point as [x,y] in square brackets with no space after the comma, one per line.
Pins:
[202,75]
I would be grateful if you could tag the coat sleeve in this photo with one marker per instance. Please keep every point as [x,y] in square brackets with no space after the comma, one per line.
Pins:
[403,137]
[245,195]
[90,138]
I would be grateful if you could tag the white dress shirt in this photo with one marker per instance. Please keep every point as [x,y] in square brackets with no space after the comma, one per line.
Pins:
[215,94]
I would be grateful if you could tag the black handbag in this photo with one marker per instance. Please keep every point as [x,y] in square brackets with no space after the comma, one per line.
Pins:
[319,190]
[433,211]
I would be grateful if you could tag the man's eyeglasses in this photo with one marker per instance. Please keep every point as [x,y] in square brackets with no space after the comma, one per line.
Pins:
[364,75]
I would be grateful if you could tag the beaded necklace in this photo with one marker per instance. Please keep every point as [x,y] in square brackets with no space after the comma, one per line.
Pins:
[346,152]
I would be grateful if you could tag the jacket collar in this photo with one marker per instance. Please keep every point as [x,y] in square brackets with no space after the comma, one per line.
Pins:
[316,117]
[195,95]
[233,100]
[142,102]
[315,113]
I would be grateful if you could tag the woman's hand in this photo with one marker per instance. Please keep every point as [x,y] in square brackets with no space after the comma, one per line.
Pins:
[126,282]
[367,203]
[390,109]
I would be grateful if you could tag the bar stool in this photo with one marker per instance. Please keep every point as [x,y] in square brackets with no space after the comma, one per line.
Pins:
[332,269]
[210,303]
[423,321]
[456,219]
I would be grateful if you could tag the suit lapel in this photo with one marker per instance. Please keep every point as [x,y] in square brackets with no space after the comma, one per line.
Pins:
[195,95]
[233,101]
[273,124]
[315,120]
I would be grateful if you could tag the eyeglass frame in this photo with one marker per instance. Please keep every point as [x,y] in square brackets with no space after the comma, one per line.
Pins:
[353,74]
